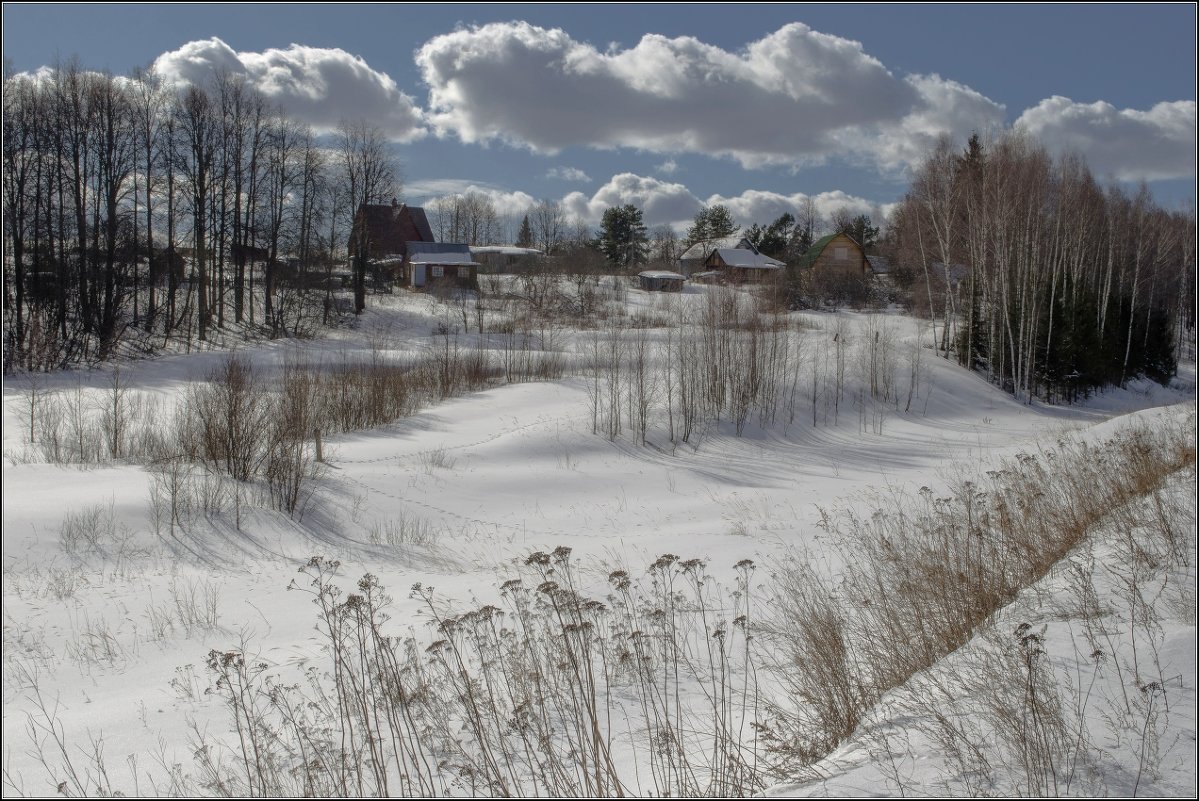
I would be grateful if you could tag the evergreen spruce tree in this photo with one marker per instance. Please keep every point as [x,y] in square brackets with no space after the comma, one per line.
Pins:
[623,237]
[524,239]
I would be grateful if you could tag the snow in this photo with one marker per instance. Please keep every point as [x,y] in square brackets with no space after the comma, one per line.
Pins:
[496,475]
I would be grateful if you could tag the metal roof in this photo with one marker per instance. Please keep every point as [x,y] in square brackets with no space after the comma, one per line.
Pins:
[701,250]
[439,253]
[746,259]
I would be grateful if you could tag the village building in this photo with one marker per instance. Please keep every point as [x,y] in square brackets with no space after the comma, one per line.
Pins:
[386,230]
[660,281]
[439,264]
[739,265]
[507,259]
[693,259]
[835,253]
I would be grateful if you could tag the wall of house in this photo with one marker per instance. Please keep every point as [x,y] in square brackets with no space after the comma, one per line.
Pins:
[849,259]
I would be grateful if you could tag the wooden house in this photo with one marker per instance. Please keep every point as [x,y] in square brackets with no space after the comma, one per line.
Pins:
[835,253]
[693,259]
[440,264]
[741,265]
[385,231]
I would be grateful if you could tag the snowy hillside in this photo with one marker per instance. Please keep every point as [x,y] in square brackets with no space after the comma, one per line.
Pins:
[133,580]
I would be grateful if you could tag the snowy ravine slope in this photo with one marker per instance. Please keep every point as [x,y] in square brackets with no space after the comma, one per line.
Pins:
[105,642]
[1085,685]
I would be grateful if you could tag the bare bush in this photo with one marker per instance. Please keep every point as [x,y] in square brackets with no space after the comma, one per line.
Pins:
[232,413]
[436,459]
[89,530]
[405,529]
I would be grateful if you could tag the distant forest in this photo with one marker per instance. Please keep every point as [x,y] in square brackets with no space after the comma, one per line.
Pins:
[138,216]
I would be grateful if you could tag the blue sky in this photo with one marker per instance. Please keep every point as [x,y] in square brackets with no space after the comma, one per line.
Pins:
[671,107]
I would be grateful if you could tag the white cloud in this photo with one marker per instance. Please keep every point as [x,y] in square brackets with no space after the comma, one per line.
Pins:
[426,193]
[568,174]
[754,206]
[1125,143]
[319,86]
[668,167]
[794,97]
[664,202]
[659,201]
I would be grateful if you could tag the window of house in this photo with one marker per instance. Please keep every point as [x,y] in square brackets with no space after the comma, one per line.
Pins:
[437,271]
[841,254]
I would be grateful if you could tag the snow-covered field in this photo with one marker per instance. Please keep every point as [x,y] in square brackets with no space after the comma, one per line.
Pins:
[105,641]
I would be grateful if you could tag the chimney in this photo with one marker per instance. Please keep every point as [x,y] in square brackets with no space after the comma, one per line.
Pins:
[394,202]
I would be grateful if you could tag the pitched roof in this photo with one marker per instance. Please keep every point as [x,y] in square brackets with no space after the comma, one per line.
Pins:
[506,250]
[813,253]
[439,253]
[701,250]
[421,222]
[660,274]
[389,226]
[747,259]
[879,265]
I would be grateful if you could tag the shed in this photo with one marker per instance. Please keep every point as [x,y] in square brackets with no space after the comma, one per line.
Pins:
[447,263]
[660,281]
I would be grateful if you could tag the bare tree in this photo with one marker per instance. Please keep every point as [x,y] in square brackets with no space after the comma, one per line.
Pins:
[549,225]
[370,175]
[198,126]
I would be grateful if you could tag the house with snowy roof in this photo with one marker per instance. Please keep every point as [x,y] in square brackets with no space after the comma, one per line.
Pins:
[439,264]
[693,259]
[739,265]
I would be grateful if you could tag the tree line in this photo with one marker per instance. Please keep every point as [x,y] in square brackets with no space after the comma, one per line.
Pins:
[140,212]
[1047,283]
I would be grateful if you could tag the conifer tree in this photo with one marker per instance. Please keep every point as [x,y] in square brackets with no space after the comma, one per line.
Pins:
[524,239]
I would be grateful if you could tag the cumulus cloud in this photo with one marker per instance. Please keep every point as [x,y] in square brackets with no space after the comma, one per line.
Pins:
[568,174]
[659,201]
[506,202]
[755,206]
[794,97]
[1125,143]
[664,202]
[319,86]
[668,167]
